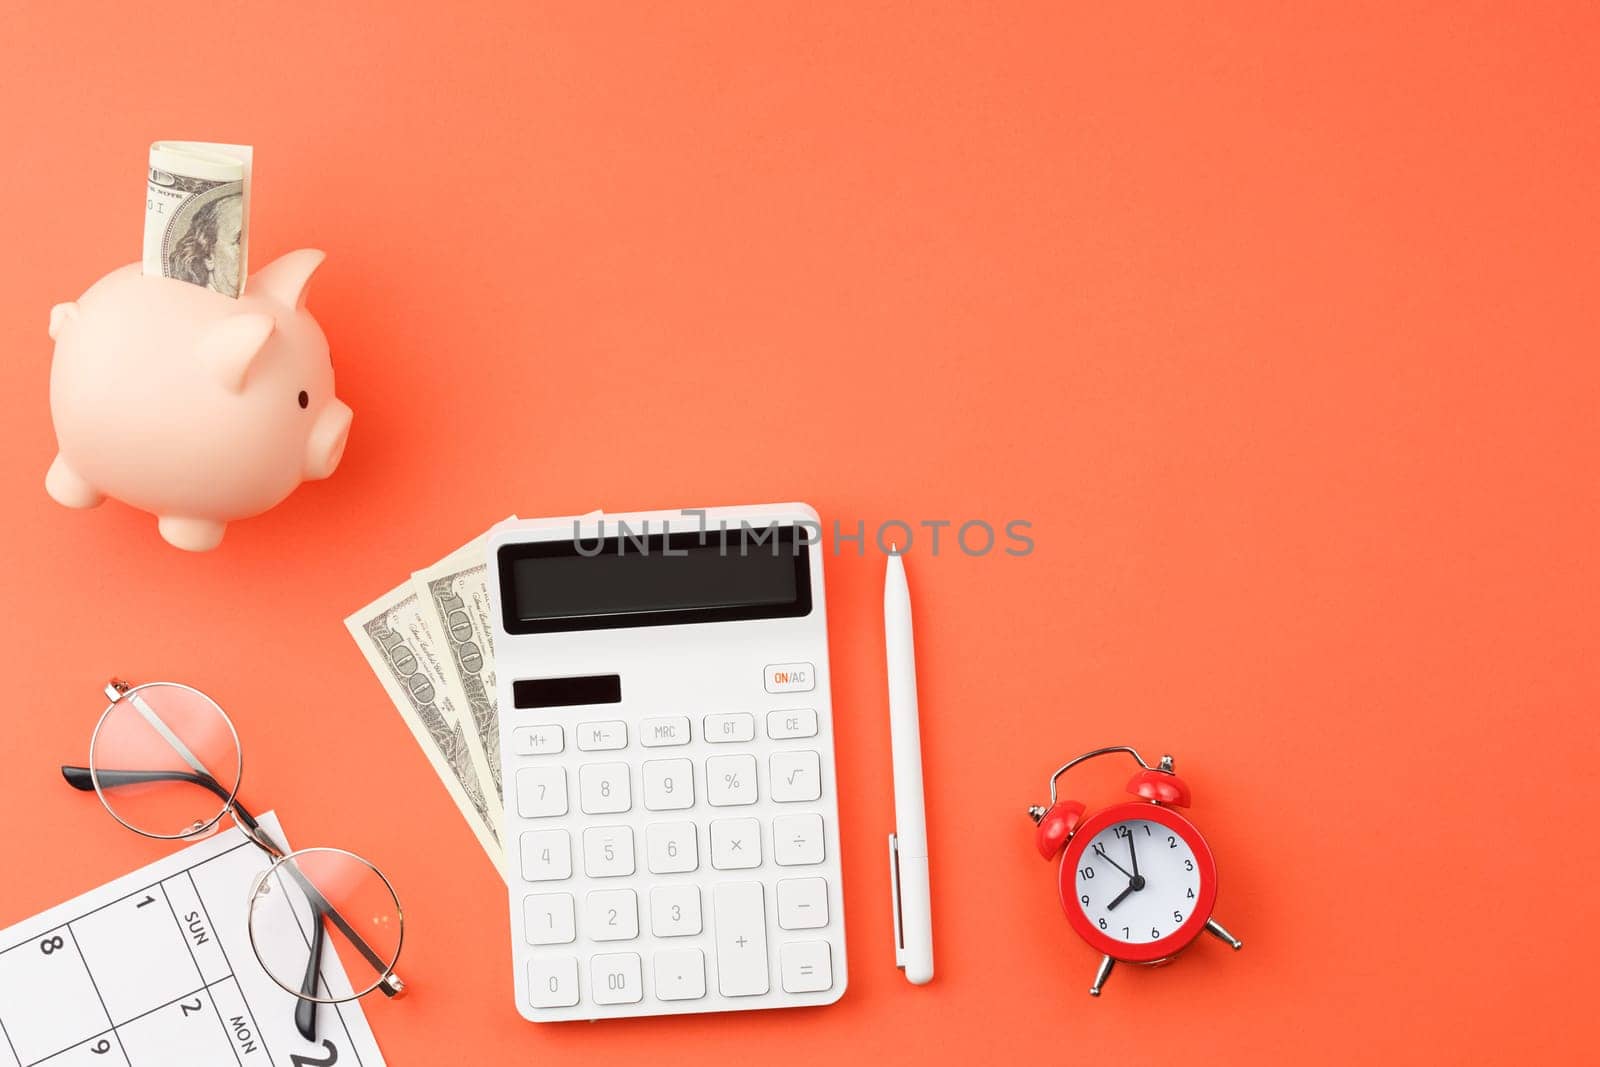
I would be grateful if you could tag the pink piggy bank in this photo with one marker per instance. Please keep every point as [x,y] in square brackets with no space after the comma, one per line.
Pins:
[195,406]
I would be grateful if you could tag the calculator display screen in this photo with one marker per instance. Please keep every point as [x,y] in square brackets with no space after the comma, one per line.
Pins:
[655,580]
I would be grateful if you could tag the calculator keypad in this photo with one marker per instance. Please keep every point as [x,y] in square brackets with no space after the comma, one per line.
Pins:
[683,857]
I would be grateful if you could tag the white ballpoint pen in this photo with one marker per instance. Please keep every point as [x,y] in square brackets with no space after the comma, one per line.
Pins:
[908,845]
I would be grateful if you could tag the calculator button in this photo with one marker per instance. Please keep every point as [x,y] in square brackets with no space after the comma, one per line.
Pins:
[668,784]
[614,978]
[735,844]
[680,974]
[796,839]
[790,678]
[611,915]
[664,732]
[807,966]
[675,910]
[608,851]
[541,791]
[731,781]
[802,903]
[547,918]
[670,847]
[603,788]
[602,736]
[782,725]
[740,918]
[739,726]
[553,981]
[795,776]
[542,740]
[546,855]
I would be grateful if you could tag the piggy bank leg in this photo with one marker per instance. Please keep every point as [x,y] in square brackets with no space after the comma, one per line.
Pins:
[68,488]
[195,535]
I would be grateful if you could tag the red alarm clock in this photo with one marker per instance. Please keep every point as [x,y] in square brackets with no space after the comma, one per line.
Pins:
[1137,881]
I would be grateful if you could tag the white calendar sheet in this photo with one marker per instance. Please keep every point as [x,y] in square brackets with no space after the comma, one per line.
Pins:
[155,970]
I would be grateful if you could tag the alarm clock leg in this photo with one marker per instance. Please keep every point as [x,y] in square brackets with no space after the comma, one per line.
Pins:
[1100,976]
[1215,929]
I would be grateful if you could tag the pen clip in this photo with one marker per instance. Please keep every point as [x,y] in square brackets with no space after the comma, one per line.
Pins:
[894,890]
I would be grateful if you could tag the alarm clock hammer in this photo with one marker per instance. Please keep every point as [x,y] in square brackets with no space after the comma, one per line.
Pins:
[1151,905]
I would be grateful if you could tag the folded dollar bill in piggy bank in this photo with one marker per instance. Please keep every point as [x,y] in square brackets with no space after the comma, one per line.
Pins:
[196,406]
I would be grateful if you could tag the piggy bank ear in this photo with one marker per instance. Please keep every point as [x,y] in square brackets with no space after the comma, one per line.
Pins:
[287,278]
[60,315]
[229,349]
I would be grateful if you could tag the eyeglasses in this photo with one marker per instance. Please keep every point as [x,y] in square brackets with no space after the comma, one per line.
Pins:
[165,761]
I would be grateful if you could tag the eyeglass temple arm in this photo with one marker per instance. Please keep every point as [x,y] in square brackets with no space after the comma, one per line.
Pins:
[82,779]
[305,1011]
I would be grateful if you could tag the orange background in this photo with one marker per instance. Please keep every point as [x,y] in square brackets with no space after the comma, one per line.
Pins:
[1278,326]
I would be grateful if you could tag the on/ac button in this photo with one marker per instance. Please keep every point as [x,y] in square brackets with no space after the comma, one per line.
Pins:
[790,678]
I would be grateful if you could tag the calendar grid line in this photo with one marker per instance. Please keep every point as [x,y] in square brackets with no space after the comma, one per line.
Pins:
[200,971]
[112,1030]
[111,903]
[14,1055]
[96,987]
[200,898]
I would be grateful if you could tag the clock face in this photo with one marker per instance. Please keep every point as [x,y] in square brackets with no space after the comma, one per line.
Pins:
[1137,881]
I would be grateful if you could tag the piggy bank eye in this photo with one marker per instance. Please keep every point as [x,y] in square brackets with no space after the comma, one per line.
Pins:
[305,401]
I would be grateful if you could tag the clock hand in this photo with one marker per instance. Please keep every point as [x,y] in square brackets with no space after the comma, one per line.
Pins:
[1120,897]
[1132,854]
[1098,851]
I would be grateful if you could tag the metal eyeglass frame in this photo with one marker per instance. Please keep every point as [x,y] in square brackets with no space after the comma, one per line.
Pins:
[93,780]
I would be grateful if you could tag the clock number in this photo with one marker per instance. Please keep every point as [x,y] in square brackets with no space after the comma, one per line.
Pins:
[1177,917]
[1084,898]
[1125,934]
[1102,922]
[1154,933]
[1172,842]
[1191,893]
[1086,874]
[1147,832]
[1188,865]
[1123,831]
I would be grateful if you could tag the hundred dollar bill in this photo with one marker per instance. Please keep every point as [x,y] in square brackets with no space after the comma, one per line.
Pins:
[197,214]
[456,594]
[394,635]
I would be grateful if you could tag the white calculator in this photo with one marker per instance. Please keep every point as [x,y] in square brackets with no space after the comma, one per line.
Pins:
[671,818]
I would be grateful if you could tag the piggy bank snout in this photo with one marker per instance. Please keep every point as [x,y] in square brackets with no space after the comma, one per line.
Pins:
[325,447]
